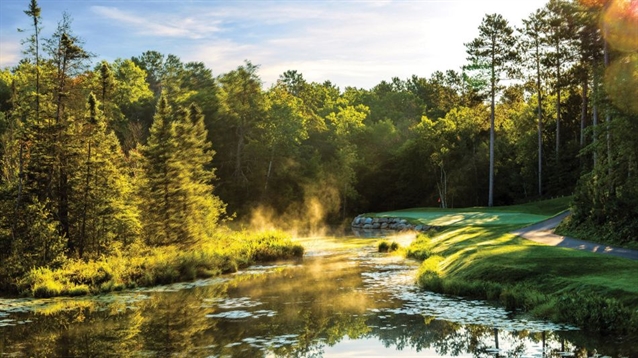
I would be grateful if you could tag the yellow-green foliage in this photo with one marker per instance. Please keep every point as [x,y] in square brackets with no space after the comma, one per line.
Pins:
[145,266]
[420,249]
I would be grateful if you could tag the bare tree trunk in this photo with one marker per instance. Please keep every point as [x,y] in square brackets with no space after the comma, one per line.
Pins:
[595,119]
[272,158]
[558,85]
[583,113]
[239,173]
[490,201]
[86,196]
[540,123]
[608,120]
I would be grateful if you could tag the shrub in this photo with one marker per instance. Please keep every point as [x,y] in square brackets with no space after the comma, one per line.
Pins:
[420,248]
[595,313]
[80,290]
[383,246]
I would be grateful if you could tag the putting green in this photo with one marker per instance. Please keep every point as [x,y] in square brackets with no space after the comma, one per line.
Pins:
[441,217]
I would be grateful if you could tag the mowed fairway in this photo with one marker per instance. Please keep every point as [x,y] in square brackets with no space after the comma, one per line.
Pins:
[474,249]
[515,215]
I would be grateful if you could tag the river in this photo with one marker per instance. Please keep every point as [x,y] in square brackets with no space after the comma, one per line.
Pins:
[342,300]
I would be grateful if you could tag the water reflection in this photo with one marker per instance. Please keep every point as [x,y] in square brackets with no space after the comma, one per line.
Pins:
[338,302]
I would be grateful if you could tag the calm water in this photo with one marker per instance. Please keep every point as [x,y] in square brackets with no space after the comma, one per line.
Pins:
[340,301]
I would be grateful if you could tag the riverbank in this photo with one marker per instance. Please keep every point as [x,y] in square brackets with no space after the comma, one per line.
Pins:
[143,266]
[483,260]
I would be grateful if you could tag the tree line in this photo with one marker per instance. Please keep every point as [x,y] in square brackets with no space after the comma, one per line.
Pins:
[155,150]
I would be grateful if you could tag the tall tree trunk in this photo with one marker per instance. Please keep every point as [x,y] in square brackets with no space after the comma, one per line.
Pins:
[608,120]
[558,88]
[595,117]
[86,196]
[490,201]
[540,121]
[63,182]
[239,173]
[583,109]
[272,158]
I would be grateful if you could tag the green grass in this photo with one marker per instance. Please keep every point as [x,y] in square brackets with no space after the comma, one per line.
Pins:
[146,266]
[473,259]
[517,215]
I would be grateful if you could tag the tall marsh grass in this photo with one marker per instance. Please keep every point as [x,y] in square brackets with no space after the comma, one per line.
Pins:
[148,266]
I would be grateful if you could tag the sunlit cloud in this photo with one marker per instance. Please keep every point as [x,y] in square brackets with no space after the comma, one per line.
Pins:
[350,48]
[350,43]
[171,25]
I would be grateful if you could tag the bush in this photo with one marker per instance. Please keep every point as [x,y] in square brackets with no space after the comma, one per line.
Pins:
[81,290]
[385,246]
[592,312]
[420,249]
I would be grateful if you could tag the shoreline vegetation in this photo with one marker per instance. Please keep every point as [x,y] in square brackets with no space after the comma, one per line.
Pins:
[149,266]
[596,293]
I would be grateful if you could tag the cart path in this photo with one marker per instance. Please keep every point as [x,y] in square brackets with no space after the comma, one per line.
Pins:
[543,232]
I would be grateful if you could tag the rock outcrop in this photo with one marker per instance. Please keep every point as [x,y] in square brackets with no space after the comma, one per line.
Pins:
[385,223]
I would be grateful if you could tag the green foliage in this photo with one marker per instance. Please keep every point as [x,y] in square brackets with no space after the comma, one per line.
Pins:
[592,312]
[141,265]
[421,247]
[177,179]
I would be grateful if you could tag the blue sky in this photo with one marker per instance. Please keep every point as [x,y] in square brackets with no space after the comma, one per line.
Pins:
[351,43]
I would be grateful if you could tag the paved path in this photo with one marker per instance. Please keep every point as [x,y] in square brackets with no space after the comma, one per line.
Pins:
[543,233]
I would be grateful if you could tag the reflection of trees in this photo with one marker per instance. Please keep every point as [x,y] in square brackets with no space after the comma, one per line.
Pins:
[174,324]
[317,302]
[315,306]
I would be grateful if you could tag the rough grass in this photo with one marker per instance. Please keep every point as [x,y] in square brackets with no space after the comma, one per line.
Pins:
[145,266]
[597,293]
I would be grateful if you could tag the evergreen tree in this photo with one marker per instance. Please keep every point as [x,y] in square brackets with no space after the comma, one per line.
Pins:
[159,216]
[177,188]
[102,208]
[532,42]
[493,50]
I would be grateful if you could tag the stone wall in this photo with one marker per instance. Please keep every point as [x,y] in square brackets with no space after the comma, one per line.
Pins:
[385,223]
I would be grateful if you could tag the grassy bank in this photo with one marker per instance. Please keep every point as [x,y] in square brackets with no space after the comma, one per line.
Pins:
[483,261]
[144,266]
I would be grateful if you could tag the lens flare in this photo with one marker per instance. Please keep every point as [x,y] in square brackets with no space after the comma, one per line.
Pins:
[621,83]
[593,3]
[619,25]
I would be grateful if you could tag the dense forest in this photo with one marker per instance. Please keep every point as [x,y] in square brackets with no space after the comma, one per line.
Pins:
[152,150]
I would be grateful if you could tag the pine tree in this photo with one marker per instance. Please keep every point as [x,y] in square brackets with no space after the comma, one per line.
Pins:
[102,209]
[532,42]
[178,180]
[494,50]
[159,215]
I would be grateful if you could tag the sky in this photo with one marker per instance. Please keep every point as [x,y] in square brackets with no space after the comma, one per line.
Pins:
[356,43]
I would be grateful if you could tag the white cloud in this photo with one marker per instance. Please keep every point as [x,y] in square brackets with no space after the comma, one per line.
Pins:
[10,52]
[351,43]
[356,43]
[169,25]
